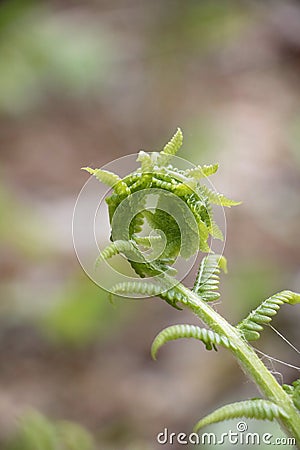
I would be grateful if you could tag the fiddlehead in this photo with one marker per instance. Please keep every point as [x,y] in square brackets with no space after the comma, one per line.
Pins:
[263,314]
[185,231]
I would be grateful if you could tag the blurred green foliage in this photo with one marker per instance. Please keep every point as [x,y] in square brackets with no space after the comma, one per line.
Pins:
[199,26]
[81,313]
[43,52]
[20,228]
[36,432]
[202,140]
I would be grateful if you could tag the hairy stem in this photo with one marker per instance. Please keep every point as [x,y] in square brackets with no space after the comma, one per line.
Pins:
[248,359]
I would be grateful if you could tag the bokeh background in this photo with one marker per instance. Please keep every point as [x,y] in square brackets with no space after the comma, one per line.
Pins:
[83,83]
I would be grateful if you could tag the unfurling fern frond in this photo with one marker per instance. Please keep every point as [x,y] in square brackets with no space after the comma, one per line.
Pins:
[208,337]
[262,315]
[202,171]
[207,280]
[252,409]
[216,198]
[110,179]
[171,148]
[157,176]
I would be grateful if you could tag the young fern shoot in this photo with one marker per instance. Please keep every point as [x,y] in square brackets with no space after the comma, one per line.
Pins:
[170,238]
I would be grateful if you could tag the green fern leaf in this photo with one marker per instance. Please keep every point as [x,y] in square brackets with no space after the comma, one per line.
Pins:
[262,315]
[136,287]
[163,221]
[110,179]
[208,337]
[172,296]
[202,171]
[216,198]
[171,148]
[252,409]
[106,177]
[207,280]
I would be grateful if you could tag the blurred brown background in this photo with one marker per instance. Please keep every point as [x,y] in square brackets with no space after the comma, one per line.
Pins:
[82,83]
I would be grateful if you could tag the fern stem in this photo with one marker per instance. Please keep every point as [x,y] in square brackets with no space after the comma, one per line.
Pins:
[248,359]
